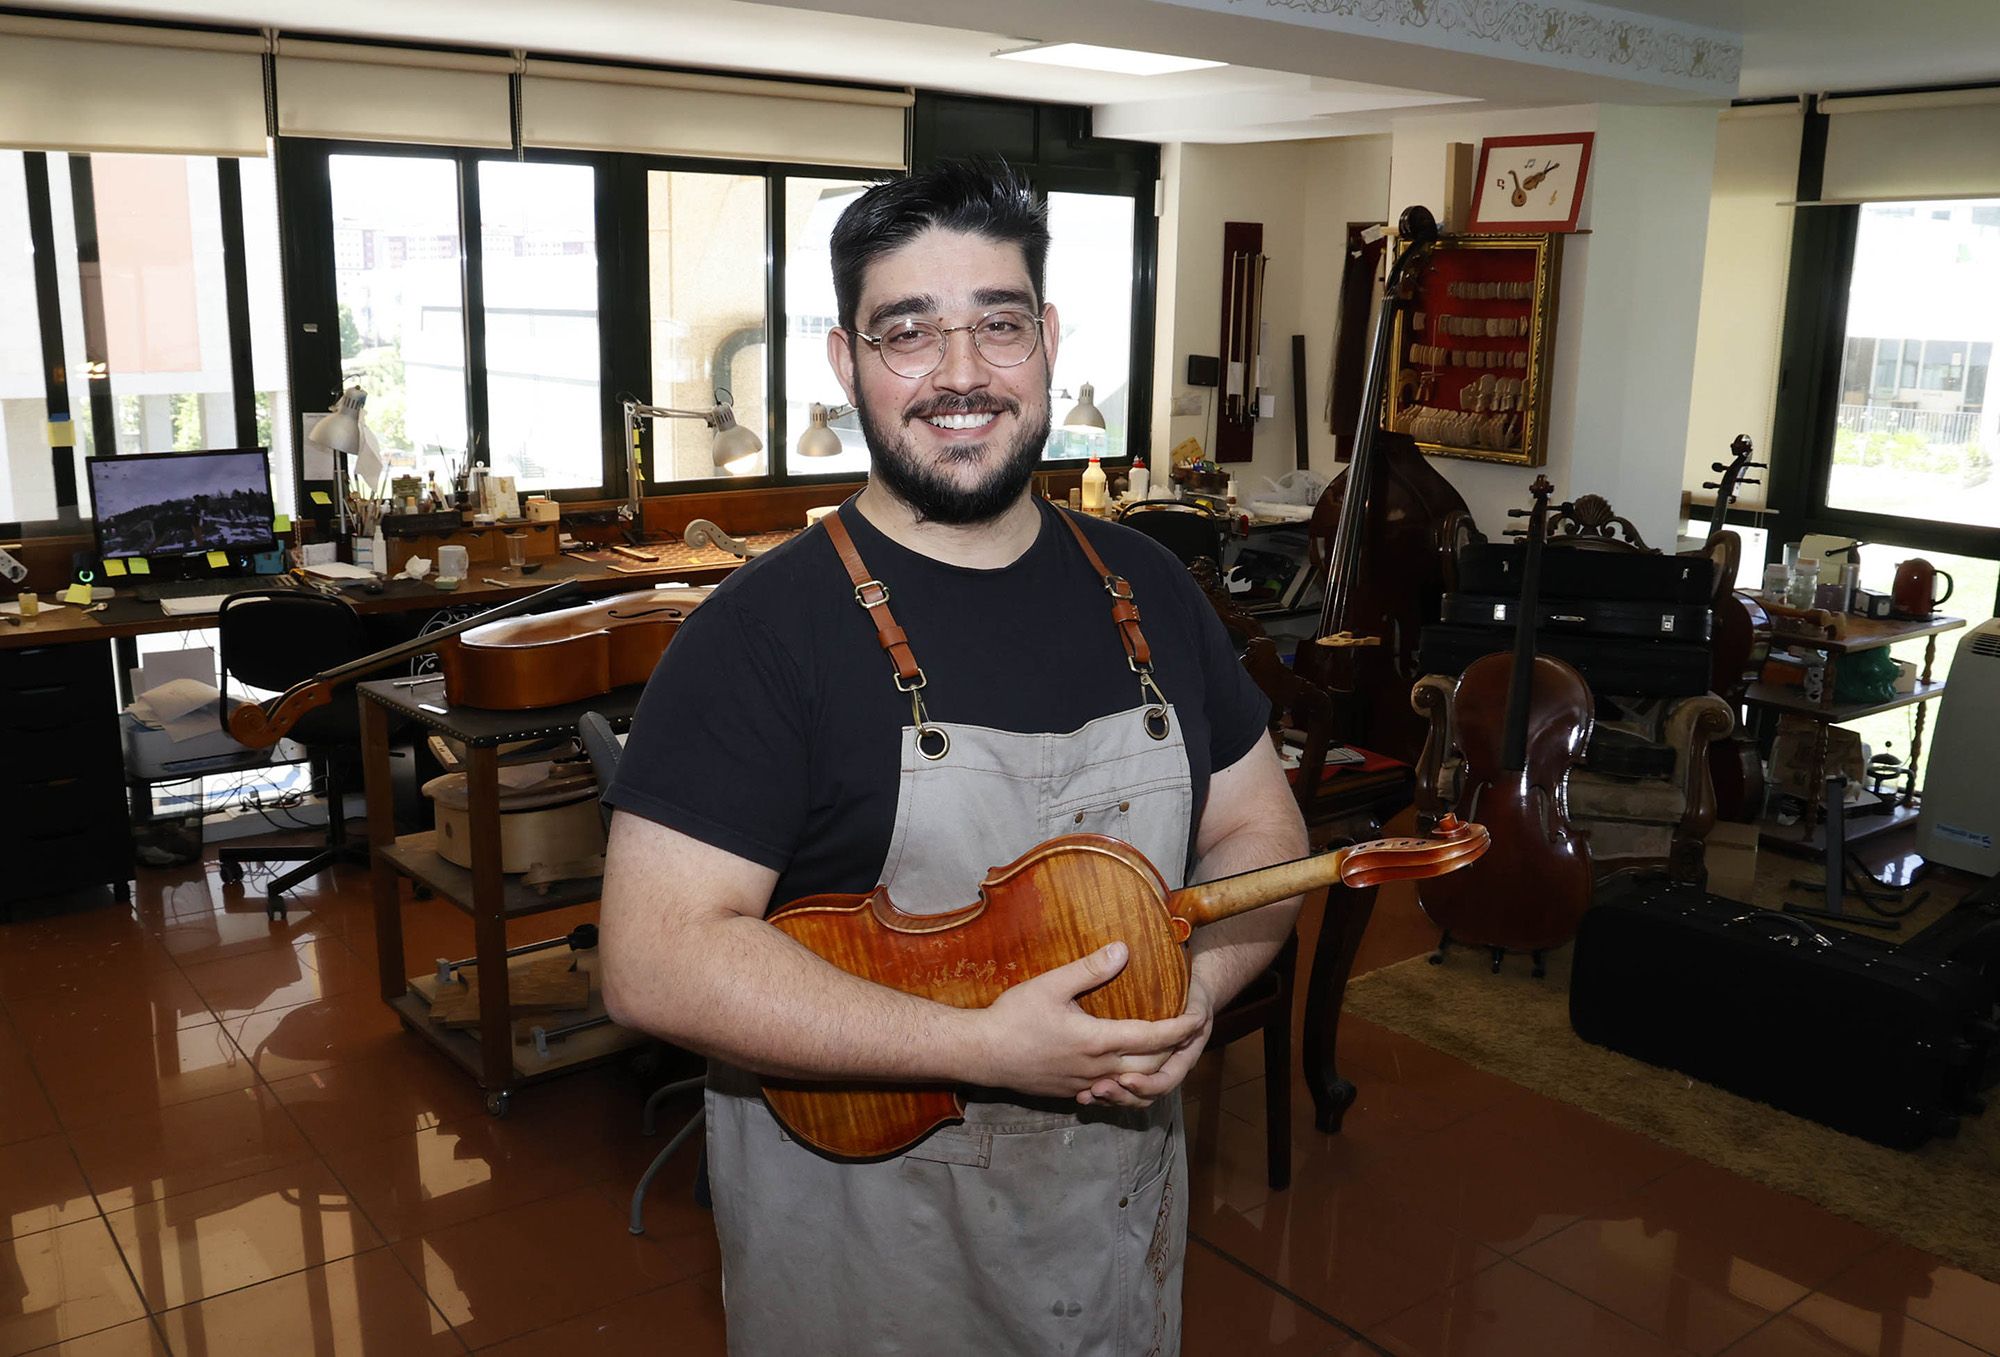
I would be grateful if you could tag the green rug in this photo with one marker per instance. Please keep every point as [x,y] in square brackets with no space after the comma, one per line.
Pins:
[1944,1198]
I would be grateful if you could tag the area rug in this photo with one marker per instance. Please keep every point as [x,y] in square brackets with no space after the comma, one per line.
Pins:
[1944,1198]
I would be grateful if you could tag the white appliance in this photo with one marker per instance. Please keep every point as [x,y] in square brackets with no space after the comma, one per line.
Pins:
[1960,824]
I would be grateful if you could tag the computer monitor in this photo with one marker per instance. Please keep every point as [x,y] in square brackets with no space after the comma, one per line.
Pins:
[169,504]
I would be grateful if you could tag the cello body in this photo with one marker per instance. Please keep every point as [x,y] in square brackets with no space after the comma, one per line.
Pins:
[548,659]
[1061,900]
[1521,722]
[1739,642]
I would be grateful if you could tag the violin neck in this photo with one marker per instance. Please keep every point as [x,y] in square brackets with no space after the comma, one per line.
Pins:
[1212,901]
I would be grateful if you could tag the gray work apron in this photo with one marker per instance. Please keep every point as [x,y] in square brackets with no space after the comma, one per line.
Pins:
[1031,1228]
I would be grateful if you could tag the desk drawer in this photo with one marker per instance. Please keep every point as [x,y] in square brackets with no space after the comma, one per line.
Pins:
[83,668]
[60,807]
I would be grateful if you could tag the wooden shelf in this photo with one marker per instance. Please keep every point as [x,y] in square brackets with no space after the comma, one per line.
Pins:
[588,1047]
[416,856]
[1794,700]
[1860,827]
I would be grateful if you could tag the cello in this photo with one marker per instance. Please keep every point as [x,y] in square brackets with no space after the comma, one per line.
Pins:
[1739,642]
[1061,900]
[1385,528]
[1521,722]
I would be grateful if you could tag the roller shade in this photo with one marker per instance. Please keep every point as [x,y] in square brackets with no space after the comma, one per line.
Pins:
[348,92]
[1912,147]
[598,108]
[1743,290]
[74,86]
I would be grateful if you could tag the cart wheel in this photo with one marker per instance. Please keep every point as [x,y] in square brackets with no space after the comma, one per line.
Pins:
[274,907]
[231,873]
[497,1103]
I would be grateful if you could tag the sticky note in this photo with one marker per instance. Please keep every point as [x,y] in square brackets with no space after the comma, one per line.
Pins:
[219,559]
[282,523]
[78,594]
[139,565]
[62,433]
[321,497]
[114,568]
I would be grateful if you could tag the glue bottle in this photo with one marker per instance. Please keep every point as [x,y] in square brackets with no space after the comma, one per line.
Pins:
[1141,479]
[1093,488]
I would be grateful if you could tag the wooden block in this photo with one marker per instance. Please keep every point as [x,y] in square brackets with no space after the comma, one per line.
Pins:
[550,986]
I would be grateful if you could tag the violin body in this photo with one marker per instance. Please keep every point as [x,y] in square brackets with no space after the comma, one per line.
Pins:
[1532,887]
[1397,577]
[1059,901]
[548,659]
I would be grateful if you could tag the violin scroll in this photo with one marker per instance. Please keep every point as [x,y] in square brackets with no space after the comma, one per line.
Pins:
[1454,844]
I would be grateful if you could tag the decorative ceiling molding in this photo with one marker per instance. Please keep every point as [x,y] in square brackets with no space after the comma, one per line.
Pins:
[1573,34]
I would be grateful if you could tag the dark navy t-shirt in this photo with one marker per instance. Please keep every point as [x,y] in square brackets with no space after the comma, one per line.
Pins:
[772,727]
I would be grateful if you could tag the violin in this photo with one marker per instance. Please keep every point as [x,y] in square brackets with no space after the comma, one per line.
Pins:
[1740,640]
[549,659]
[1521,722]
[1057,902]
[1384,529]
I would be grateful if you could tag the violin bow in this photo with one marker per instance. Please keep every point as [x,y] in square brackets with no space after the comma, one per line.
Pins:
[262,724]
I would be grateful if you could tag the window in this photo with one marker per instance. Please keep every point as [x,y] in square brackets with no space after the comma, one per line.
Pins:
[705,243]
[538,260]
[812,206]
[264,280]
[1921,444]
[27,487]
[1090,283]
[397,280]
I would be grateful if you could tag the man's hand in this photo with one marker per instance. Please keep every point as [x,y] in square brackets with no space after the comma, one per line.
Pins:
[1038,1040]
[1140,1088]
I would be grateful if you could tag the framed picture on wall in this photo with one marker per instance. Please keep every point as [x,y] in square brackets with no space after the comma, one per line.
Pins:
[1471,356]
[1530,183]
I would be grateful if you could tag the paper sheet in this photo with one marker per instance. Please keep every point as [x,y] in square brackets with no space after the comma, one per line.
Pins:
[196,662]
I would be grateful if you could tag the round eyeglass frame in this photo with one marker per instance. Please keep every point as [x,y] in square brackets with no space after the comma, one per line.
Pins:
[944,334]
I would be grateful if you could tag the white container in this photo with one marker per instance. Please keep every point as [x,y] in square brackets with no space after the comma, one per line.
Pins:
[1094,493]
[379,551]
[1141,480]
[453,562]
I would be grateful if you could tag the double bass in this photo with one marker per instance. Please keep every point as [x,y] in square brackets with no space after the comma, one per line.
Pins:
[1386,527]
[1521,722]
[1059,901]
[1738,644]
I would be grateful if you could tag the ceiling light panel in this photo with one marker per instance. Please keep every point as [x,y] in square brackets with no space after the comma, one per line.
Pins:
[1085,56]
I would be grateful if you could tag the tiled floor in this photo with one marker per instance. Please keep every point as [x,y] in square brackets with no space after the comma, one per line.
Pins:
[214,1138]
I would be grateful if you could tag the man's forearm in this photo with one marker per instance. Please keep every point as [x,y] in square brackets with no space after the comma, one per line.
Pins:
[1226,956]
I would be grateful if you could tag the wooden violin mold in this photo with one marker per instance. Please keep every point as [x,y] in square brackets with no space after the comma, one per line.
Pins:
[1059,901]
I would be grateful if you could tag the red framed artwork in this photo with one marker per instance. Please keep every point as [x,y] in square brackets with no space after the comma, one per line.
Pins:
[1532,183]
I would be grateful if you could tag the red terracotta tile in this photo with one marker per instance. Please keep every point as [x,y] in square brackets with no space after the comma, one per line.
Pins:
[360,1306]
[1225,1309]
[1784,1235]
[1508,1311]
[135,1338]
[92,1077]
[320,968]
[433,1179]
[283,1042]
[1366,1053]
[535,1265]
[201,1244]
[150,1001]
[62,1284]
[404,1089]
[187,1147]
[1815,1328]
[25,1112]
[685,1318]
[41,1186]
[1899,1279]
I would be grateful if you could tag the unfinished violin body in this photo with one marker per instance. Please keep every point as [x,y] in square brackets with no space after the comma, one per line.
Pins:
[1059,901]
[548,659]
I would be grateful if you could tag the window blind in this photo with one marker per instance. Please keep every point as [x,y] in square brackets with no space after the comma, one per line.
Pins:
[1743,290]
[350,92]
[572,106]
[68,85]
[1912,147]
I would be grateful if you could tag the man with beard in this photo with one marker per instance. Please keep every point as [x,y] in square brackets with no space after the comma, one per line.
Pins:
[805,735]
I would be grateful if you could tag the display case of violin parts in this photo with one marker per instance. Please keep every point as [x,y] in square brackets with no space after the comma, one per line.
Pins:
[1471,355]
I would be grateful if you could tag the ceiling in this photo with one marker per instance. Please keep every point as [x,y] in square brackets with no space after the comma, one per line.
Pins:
[1296,70]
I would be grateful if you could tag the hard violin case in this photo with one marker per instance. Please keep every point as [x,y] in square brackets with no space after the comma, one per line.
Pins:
[1844,1030]
[1639,618]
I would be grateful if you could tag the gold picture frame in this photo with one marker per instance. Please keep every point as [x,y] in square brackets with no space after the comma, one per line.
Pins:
[1471,349]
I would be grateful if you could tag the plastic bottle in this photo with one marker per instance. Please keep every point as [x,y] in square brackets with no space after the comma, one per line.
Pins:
[1093,488]
[379,548]
[1141,479]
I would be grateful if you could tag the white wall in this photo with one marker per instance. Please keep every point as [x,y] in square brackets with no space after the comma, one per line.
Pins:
[1304,193]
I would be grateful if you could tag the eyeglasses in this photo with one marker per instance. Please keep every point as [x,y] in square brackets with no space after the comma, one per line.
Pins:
[915,348]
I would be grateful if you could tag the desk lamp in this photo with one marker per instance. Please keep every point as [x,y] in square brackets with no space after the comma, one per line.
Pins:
[818,440]
[734,449]
[340,430]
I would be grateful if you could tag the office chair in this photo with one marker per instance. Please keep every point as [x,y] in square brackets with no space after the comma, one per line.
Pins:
[604,750]
[271,639]
[1188,530]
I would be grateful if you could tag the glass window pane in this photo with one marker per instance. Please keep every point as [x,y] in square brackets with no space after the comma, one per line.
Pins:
[706,236]
[1090,282]
[275,421]
[1922,443]
[69,296]
[538,239]
[812,206]
[397,259]
[27,475]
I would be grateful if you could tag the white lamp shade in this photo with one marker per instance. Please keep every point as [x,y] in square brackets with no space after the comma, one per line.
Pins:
[1084,414]
[736,448]
[818,440]
[340,429]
